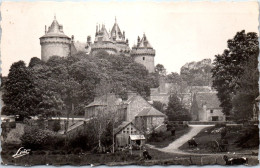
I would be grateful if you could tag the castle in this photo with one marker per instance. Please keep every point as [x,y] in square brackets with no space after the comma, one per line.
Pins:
[55,42]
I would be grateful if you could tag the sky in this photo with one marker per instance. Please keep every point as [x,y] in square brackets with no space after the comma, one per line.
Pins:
[180,32]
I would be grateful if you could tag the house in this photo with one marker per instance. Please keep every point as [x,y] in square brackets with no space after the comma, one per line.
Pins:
[149,119]
[142,113]
[128,134]
[105,104]
[135,107]
[208,107]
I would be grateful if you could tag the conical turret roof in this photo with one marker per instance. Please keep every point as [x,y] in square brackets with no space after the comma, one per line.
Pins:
[116,32]
[55,30]
[144,43]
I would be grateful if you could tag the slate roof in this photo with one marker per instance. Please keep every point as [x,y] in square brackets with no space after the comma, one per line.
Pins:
[103,100]
[210,99]
[144,43]
[55,30]
[150,111]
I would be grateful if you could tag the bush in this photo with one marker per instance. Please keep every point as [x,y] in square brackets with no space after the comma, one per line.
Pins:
[56,126]
[35,138]
[250,137]
[219,125]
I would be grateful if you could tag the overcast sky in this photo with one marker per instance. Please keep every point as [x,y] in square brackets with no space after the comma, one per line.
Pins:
[180,32]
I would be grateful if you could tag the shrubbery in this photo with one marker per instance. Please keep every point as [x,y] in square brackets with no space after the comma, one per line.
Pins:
[35,138]
[250,137]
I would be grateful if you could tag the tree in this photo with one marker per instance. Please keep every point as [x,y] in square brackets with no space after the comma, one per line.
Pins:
[159,106]
[159,69]
[19,92]
[175,109]
[230,66]
[244,99]
[35,61]
[194,110]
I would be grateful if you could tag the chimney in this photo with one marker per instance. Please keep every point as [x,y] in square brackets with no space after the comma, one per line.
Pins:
[45,29]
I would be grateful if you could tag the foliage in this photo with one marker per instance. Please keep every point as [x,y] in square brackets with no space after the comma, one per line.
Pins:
[249,138]
[230,77]
[159,106]
[176,110]
[197,73]
[35,138]
[159,69]
[85,139]
[19,96]
[107,136]
[194,110]
[56,126]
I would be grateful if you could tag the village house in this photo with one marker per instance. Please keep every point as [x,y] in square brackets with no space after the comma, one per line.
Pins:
[105,104]
[208,107]
[128,134]
[130,110]
[149,119]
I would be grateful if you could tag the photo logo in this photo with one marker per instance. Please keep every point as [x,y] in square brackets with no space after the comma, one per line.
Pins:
[21,152]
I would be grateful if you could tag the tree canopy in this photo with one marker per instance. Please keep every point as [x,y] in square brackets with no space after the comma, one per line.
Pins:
[65,85]
[235,74]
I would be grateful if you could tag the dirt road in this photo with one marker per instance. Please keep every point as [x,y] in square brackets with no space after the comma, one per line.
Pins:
[174,146]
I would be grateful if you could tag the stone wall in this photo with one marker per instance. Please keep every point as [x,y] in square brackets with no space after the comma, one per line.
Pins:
[147,61]
[135,107]
[53,48]
[217,112]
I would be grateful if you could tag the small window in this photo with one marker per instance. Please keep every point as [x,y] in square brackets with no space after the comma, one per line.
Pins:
[143,58]
[131,132]
[123,131]
[127,132]
[211,111]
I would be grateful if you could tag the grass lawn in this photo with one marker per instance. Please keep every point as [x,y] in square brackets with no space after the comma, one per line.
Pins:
[205,137]
[168,138]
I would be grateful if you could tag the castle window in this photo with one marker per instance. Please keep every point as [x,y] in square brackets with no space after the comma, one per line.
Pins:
[211,111]
[143,58]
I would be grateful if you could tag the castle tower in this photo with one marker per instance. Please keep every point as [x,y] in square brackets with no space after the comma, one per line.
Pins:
[113,42]
[54,42]
[143,53]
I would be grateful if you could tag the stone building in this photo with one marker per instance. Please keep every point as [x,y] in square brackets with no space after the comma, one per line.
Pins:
[114,42]
[55,42]
[208,107]
[135,107]
[127,133]
[106,104]
[149,119]
[143,53]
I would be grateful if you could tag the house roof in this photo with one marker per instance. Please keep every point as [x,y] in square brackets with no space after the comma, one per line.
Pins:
[144,43]
[122,126]
[209,99]
[150,111]
[55,30]
[116,32]
[104,100]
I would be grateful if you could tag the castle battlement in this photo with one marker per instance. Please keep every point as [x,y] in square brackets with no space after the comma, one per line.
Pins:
[142,51]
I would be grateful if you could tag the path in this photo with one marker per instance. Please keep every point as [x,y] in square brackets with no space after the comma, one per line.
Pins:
[174,146]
